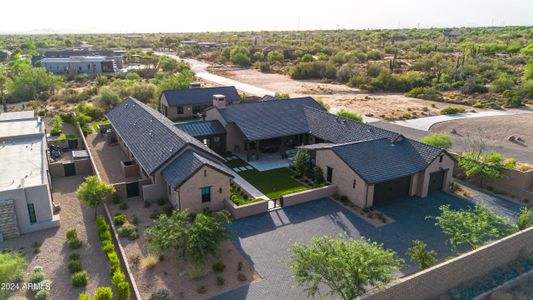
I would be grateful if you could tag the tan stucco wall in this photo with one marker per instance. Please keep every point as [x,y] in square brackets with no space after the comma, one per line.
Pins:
[172,111]
[234,138]
[243,211]
[423,182]
[189,194]
[343,177]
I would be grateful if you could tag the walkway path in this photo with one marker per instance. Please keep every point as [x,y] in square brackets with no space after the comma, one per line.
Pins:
[200,68]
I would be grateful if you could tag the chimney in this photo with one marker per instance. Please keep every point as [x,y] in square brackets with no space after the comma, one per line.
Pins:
[195,85]
[219,101]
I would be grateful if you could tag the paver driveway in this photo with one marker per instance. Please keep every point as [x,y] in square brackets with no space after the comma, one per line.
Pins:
[264,239]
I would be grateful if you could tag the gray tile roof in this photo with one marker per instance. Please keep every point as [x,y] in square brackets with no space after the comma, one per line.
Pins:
[381,159]
[151,137]
[270,119]
[338,129]
[201,128]
[200,95]
[188,163]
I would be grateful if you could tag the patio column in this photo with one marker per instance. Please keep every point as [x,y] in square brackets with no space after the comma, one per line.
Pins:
[247,147]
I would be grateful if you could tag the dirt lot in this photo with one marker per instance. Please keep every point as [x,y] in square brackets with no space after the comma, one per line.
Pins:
[170,273]
[53,252]
[380,105]
[498,128]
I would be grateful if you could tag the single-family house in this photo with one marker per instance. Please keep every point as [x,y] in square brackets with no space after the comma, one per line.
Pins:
[186,103]
[79,64]
[367,163]
[171,163]
[25,193]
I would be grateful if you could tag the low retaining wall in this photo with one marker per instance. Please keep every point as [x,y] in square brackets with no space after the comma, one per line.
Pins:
[437,280]
[82,166]
[247,210]
[309,195]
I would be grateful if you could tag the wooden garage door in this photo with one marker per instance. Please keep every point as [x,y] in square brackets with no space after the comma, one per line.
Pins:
[436,181]
[392,189]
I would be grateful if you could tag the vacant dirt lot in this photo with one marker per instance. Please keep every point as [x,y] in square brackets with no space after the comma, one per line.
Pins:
[379,105]
[498,128]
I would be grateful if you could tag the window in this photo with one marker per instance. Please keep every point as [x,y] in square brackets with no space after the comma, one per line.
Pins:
[206,194]
[205,172]
[179,110]
[354,183]
[441,158]
[329,174]
[220,190]
[31,212]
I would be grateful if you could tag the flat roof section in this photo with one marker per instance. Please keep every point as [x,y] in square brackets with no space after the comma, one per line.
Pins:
[22,162]
[17,115]
[18,128]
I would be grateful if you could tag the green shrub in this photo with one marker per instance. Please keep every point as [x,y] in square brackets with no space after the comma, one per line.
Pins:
[41,295]
[426,93]
[127,230]
[119,219]
[123,206]
[350,115]
[118,277]
[452,110]
[114,261]
[115,198]
[80,279]
[239,266]
[318,176]
[440,140]
[160,294]
[84,296]
[219,267]
[220,280]
[74,266]
[37,275]
[201,290]
[74,256]
[107,247]
[103,293]
[72,233]
[509,163]
[123,291]
[74,243]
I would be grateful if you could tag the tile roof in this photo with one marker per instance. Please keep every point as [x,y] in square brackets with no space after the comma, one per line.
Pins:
[200,95]
[338,129]
[151,137]
[188,163]
[381,159]
[270,119]
[201,128]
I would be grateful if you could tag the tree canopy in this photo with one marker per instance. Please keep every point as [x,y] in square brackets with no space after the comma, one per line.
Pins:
[484,166]
[92,192]
[440,140]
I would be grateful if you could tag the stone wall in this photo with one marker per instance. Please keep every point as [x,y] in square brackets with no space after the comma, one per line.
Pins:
[437,280]
[8,220]
[309,195]
[247,210]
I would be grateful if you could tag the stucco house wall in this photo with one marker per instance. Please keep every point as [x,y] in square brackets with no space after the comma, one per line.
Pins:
[423,183]
[172,110]
[343,177]
[188,196]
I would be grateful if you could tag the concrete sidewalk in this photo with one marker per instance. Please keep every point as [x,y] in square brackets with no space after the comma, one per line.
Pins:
[426,122]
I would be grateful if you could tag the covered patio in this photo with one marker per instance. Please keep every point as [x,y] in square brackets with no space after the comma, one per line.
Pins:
[272,153]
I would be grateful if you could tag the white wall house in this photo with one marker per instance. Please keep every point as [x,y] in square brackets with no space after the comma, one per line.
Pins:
[25,192]
[80,64]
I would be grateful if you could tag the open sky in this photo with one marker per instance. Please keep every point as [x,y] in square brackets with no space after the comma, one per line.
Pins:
[244,15]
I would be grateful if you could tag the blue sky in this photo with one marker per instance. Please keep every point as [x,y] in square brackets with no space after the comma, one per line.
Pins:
[243,15]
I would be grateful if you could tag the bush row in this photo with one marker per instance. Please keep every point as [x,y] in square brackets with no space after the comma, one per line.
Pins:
[122,287]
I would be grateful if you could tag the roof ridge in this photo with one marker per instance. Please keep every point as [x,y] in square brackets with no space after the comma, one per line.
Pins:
[275,101]
[199,88]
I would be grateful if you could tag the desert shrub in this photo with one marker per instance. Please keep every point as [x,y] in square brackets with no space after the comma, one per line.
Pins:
[72,233]
[201,290]
[160,294]
[350,115]
[74,243]
[135,259]
[84,296]
[119,219]
[103,293]
[241,277]
[314,70]
[123,206]
[452,110]
[239,266]
[524,167]
[74,256]
[426,93]
[107,247]
[219,267]
[509,163]
[74,266]
[264,66]
[127,230]
[439,139]
[41,295]
[80,279]
[135,220]
[220,280]
[150,261]
[37,275]
[114,261]
[115,198]
[123,291]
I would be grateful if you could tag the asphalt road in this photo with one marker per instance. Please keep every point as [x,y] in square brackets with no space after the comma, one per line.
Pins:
[520,153]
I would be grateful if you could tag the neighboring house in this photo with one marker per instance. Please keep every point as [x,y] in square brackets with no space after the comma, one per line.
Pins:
[79,64]
[116,55]
[287,52]
[172,164]
[25,192]
[186,103]
[452,34]
[367,163]
[4,55]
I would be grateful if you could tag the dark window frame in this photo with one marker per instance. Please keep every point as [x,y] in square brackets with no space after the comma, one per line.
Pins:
[31,213]
[206,197]
[329,174]
[179,110]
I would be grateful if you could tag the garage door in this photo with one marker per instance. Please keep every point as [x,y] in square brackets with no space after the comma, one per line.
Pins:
[392,189]
[436,181]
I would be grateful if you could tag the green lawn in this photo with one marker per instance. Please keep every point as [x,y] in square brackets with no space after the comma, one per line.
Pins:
[272,183]
[94,125]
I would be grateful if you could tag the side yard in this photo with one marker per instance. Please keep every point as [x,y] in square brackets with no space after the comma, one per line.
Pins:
[49,249]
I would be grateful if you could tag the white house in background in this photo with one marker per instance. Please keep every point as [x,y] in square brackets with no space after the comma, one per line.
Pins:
[80,64]
[25,192]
